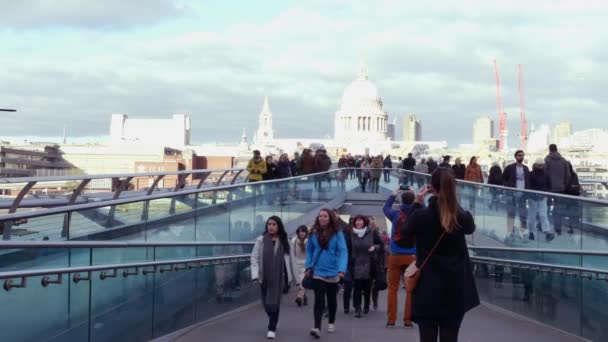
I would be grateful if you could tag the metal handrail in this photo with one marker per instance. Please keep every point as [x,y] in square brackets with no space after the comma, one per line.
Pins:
[93,205]
[584,272]
[116,244]
[110,175]
[502,187]
[540,250]
[148,267]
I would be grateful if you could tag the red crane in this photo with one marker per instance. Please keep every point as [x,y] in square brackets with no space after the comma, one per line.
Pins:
[502,116]
[524,124]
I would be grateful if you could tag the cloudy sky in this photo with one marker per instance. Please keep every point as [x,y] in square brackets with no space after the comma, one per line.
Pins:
[74,63]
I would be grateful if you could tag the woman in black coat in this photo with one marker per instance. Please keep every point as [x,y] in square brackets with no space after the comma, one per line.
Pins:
[495,178]
[446,289]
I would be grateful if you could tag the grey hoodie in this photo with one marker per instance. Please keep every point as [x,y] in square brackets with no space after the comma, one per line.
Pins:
[556,167]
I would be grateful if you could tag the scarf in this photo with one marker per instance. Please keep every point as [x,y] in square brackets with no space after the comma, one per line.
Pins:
[359,231]
[273,264]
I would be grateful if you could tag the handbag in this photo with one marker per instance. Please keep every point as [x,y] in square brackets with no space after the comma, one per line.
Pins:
[307,281]
[413,272]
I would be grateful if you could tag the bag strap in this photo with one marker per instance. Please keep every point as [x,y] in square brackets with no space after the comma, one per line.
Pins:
[318,255]
[432,251]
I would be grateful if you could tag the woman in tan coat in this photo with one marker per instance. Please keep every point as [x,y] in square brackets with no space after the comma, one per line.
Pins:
[473,172]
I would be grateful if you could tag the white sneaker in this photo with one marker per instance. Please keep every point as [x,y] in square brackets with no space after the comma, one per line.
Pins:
[316,333]
[331,328]
[271,335]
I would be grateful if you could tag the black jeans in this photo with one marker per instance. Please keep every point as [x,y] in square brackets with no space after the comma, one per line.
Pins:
[273,316]
[362,287]
[347,294]
[324,289]
[445,329]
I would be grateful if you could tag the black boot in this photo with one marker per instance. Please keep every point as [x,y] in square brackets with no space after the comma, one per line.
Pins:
[305,302]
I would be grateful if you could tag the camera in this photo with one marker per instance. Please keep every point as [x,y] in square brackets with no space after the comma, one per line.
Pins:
[404,187]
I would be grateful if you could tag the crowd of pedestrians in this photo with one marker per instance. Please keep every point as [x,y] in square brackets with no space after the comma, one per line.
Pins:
[426,250]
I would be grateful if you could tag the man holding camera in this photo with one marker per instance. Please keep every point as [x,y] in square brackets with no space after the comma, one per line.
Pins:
[402,254]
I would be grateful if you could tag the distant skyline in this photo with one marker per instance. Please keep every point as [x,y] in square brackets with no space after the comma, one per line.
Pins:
[75,63]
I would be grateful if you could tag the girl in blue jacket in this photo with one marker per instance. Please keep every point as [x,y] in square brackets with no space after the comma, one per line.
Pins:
[327,259]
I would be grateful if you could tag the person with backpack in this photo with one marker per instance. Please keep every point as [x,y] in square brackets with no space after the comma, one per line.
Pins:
[402,254]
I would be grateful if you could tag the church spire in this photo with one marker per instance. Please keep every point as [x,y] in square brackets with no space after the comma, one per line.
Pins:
[266,107]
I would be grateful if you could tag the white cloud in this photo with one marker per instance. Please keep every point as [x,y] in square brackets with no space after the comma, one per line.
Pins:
[434,60]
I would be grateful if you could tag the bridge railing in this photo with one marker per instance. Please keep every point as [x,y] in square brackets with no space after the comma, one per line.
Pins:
[44,192]
[549,220]
[226,212]
[563,288]
[126,294]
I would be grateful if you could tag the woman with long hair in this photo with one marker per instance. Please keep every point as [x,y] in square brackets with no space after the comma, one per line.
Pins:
[271,266]
[298,255]
[326,261]
[446,288]
[473,171]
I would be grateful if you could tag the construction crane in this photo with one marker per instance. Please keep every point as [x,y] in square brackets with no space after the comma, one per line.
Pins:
[502,116]
[523,135]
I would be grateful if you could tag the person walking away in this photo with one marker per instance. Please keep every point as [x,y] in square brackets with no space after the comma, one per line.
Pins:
[283,170]
[517,176]
[342,174]
[326,262]
[539,181]
[556,167]
[375,174]
[422,168]
[402,254]
[495,178]
[307,162]
[323,164]
[459,169]
[362,243]
[363,174]
[388,165]
[298,255]
[432,164]
[271,264]
[574,208]
[446,162]
[446,288]
[409,164]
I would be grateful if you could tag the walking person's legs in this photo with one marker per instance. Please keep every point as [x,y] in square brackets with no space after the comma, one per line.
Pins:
[357,294]
[319,307]
[394,279]
[332,301]
[346,295]
[367,292]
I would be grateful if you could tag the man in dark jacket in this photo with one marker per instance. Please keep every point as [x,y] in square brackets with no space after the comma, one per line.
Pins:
[517,176]
[558,171]
[446,162]
[399,259]
[388,165]
[322,164]
[408,164]
[432,164]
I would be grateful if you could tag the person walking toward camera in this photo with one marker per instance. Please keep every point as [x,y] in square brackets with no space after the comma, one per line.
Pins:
[298,255]
[402,254]
[271,264]
[362,244]
[445,288]
[326,262]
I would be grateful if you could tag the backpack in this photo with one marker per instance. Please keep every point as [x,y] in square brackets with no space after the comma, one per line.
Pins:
[398,235]
[574,187]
